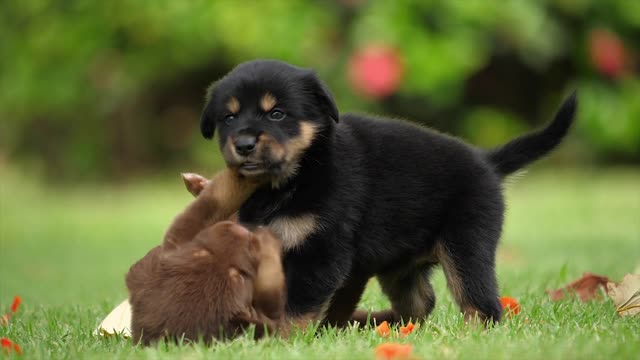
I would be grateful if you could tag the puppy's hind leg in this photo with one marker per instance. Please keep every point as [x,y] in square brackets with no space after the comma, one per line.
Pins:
[467,255]
[411,294]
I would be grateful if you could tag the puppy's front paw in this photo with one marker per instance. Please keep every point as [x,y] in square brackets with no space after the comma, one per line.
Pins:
[194,183]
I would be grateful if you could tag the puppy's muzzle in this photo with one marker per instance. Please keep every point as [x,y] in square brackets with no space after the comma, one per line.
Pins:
[245,144]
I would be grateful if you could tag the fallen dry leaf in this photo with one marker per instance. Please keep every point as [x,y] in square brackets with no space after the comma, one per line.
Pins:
[586,288]
[383,329]
[388,351]
[510,305]
[626,295]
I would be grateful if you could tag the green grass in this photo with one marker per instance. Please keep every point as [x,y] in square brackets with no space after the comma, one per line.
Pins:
[66,250]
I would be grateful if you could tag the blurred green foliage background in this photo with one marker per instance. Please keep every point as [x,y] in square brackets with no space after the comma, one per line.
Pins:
[113,89]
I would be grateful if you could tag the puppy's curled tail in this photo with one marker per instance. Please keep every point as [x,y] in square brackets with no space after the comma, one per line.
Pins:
[525,149]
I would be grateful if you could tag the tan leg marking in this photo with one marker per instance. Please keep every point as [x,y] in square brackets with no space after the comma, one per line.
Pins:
[454,283]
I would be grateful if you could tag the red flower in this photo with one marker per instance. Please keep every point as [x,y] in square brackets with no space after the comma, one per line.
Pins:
[607,52]
[390,351]
[406,330]
[16,303]
[510,305]
[9,345]
[376,70]
[383,329]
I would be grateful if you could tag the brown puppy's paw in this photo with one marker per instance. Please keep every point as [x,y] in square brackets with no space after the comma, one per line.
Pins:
[270,288]
[194,183]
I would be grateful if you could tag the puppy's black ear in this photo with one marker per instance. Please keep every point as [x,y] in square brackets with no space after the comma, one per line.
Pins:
[323,95]
[207,124]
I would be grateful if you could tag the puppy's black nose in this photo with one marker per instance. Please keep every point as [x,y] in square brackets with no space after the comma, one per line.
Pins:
[245,144]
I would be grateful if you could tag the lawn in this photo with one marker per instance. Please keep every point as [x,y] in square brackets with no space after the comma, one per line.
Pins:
[66,250]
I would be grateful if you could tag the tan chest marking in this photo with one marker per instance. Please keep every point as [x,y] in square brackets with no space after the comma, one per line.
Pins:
[293,230]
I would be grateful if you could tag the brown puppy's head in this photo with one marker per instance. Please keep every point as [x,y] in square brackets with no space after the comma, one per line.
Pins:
[211,287]
[268,113]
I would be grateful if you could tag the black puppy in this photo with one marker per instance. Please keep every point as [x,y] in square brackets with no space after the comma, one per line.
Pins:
[356,196]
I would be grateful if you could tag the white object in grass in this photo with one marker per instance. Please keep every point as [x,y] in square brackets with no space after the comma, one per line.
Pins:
[118,322]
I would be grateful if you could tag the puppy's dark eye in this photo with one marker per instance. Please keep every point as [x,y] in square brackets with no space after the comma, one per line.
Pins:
[229,118]
[276,115]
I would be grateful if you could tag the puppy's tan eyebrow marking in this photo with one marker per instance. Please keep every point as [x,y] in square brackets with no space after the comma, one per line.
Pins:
[267,102]
[233,105]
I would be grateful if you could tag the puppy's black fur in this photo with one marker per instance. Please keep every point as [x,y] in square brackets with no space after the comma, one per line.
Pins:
[359,196]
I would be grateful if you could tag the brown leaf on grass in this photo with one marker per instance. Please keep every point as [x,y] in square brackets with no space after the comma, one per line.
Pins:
[626,295]
[586,288]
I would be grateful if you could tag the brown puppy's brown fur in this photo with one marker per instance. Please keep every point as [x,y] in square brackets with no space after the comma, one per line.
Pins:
[208,281]
[214,286]
[217,200]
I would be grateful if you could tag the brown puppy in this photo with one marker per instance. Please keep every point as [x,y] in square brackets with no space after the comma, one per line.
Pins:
[214,286]
[208,281]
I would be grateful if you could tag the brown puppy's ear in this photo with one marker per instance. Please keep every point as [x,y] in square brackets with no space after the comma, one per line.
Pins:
[242,288]
[194,183]
[323,95]
[207,123]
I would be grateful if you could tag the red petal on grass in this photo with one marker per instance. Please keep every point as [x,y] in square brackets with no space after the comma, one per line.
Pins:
[16,303]
[586,288]
[388,351]
[510,305]
[17,349]
[383,329]
[406,330]
[9,345]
